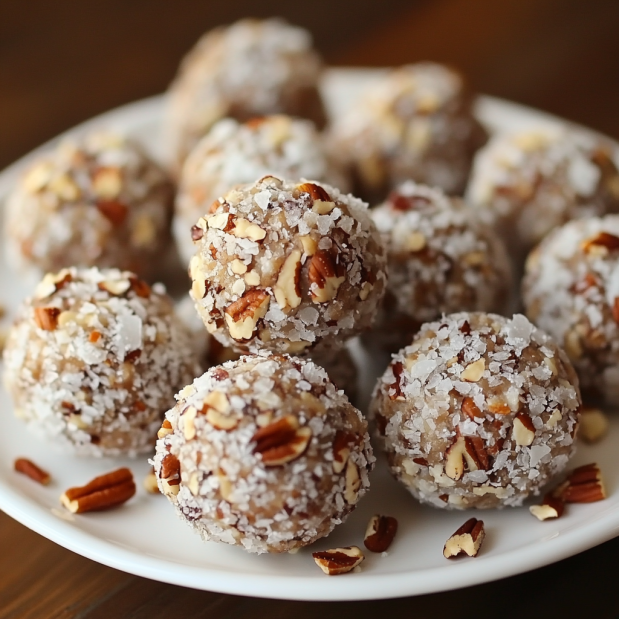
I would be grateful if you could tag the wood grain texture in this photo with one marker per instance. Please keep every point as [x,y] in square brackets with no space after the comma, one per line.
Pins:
[62,62]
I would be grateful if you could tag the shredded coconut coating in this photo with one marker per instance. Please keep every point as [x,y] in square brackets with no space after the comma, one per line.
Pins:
[270,456]
[97,200]
[287,267]
[479,412]
[250,68]
[93,361]
[571,290]
[416,124]
[233,153]
[440,259]
[528,182]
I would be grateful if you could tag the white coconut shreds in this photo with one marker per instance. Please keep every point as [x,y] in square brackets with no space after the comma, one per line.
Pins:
[305,273]
[571,289]
[94,359]
[230,488]
[469,382]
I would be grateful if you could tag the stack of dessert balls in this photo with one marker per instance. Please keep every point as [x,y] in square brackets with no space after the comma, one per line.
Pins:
[477,407]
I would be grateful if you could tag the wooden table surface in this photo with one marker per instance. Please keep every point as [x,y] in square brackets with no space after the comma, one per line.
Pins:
[62,62]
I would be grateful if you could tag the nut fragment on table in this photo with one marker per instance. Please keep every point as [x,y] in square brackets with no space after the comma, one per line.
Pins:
[103,492]
[338,560]
[593,425]
[30,469]
[150,483]
[380,532]
[466,540]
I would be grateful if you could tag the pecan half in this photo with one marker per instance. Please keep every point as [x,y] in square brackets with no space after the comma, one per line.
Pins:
[338,560]
[243,315]
[325,276]
[46,318]
[380,533]
[286,290]
[30,469]
[467,539]
[281,441]
[583,485]
[101,493]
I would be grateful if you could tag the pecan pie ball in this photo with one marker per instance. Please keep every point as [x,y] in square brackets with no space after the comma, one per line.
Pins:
[264,453]
[528,182]
[479,411]
[287,267]
[571,290]
[233,153]
[251,68]
[97,200]
[416,123]
[440,259]
[93,360]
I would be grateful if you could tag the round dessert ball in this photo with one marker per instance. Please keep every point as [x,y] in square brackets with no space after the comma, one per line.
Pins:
[441,259]
[94,359]
[571,290]
[287,266]
[97,200]
[264,453]
[233,153]
[479,411]
[251,68]
[525,183]
[416,123]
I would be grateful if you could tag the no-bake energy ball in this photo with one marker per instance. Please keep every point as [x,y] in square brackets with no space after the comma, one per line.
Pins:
[264,453]
[94,359]
[571,290]
[441,260]
[287,266]
[480,411]
[528,182]
[251,68]
[416,123]
[98,201]
[234,153]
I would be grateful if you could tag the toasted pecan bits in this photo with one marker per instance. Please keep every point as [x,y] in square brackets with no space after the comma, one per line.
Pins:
[301,267]
[492,440]
[46,318]
[380,532]
[338,560]
[466,540]
[281,441]
[103,492]
[551,508]
[30,469]
[600,242]
[150,483]
[583,485]
[170,474]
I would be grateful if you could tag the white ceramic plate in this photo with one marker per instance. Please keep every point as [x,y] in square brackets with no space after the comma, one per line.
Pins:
[144,537]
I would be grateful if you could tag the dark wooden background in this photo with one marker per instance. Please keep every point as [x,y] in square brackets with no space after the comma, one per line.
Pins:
[61,62]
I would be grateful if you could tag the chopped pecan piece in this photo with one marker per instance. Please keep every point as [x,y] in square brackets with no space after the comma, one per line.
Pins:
[325,276]
[380,533]
[46,318]
[338,560]
[467,539]
[551,508]
[281,441]
[101,493]
[583,485]
[30,469]
[243,315]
